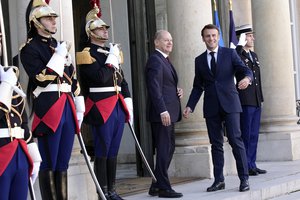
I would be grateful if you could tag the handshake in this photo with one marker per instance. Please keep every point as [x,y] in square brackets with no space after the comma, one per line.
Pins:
[115,55]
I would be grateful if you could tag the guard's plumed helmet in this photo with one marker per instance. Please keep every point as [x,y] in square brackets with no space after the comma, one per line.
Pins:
[93,22]
[40,9]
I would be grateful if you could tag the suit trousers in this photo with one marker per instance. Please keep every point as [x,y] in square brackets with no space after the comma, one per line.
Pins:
[250,123]
[216,137]
[164,142]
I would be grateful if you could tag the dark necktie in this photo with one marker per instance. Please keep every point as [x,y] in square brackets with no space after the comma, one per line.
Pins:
[168,59]
[213,65]
[250,56]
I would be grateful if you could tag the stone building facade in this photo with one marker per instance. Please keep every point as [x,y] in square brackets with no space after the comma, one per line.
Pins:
[133,23]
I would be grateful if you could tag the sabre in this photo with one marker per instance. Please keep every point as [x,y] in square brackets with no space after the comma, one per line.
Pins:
[142,153]
[31,190]
[90,167]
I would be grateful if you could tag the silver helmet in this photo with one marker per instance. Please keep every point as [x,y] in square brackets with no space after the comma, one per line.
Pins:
[93,22]
[40,9]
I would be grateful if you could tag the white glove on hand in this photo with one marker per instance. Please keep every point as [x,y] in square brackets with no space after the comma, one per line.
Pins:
[113,57]
[61,49]
[68,59]
[8,81]
[80,108]
[79,118]
[58,59]
[8,76]
[36,158]
[129,105]
[12,80]
[242,40]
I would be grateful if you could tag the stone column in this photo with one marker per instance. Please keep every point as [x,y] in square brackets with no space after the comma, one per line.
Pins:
[280,138]
[185,21]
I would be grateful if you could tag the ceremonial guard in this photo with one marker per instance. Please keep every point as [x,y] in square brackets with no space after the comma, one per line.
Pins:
[251,98]
[57,107]
[19,155]
[107,99]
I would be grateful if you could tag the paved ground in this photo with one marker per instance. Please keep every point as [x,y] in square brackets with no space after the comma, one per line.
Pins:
[281,182]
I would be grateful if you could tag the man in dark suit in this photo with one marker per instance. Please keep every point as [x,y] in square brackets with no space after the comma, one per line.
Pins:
[163,111]
[251,98]
[214,74]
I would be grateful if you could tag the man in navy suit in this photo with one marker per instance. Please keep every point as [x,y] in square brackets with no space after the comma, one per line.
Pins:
[163,111]
[214,74]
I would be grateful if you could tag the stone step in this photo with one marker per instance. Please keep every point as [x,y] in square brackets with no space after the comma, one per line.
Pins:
[282,179]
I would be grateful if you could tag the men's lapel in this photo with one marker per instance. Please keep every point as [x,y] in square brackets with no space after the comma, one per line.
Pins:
[169,65]
[173,72]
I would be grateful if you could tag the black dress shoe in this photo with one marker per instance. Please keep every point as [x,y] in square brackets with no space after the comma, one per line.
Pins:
[216,186]
[114,196]
[253,172]
[261,171]
[169,194]
[153,191]
[244,186]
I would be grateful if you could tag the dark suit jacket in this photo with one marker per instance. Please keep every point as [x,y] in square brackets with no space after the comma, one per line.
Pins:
[253,95]
[161,80]
[219,89]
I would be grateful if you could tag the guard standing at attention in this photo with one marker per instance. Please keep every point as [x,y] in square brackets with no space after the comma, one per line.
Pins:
[107,99]
[56,102]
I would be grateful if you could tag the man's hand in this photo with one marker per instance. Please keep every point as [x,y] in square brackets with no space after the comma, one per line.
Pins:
[36,158]
[8,76]
[243,84]
[61,49]
[113,57]
[80,109]
[186,112]
[180,92]
[165,118]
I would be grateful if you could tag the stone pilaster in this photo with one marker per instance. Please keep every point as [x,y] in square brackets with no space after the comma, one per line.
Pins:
[280,135]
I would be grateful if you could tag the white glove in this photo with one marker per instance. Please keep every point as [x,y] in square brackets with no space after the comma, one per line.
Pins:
[36,158]
[8,81]
[80,108]
[8,76]
[242,40]
[68,61]
[61,49]
[79,118]
[113,57]
[58,59]
[129,105]
[11,81]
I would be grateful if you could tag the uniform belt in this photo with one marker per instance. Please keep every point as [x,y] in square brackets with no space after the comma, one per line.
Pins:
[105,89]
[16,132]
[64,87]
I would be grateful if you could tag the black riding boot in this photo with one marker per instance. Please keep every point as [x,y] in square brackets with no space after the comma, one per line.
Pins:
[47,185]
[111,177]
[101,174]
[61,185]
